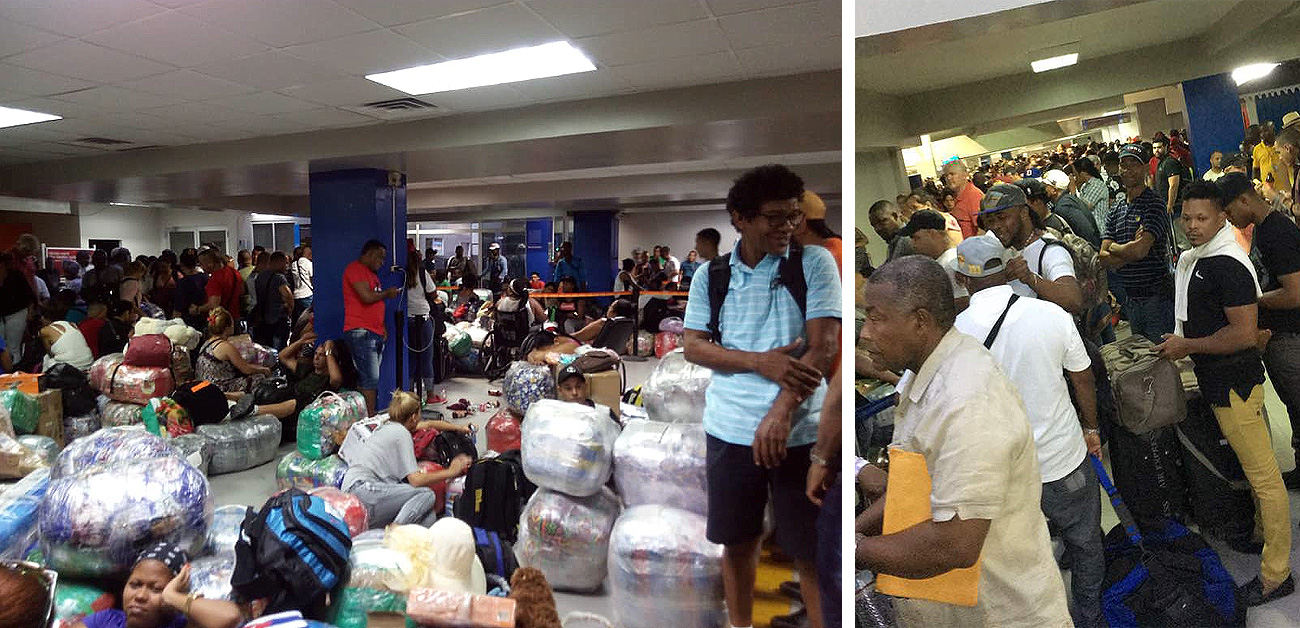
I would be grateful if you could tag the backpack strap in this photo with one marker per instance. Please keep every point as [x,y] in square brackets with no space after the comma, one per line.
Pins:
[1043,251]
[790,272]
[997,327]
[719,284]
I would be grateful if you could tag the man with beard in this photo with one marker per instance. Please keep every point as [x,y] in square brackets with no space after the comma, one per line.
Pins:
[1044,268]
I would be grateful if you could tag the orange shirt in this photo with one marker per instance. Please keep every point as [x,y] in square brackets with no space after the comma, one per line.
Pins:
[966,208]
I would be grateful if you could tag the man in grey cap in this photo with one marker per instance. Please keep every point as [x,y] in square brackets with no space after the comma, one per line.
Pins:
[1045,267]
[1135,244]
[1034,341]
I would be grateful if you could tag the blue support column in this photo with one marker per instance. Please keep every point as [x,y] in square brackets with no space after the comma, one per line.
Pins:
[349,207]
[1213,118]
[595,242]
[537,240]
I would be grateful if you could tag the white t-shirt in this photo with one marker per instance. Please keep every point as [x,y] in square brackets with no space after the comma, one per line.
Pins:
[946,260]
[1211,175]
[1037,341]
[302,273]
[416,303]
[1056,263]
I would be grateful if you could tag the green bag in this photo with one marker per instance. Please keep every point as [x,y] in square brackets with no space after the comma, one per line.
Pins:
[460,344]
[353,604]
[24,410]
[324,423]
[73,601]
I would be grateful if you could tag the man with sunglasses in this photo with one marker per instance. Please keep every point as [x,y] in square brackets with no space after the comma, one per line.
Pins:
[770,354]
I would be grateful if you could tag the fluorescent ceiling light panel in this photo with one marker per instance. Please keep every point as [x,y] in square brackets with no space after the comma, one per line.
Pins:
[18,117]
[1054,63]
[1253,71]
[1113,113]
[521,64]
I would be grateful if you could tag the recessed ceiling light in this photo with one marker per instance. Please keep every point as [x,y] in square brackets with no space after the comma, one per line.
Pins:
[1053,63]
[1253,71]
[521,64]
[17,117]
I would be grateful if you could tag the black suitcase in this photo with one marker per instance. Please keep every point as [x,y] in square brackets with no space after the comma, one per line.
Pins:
[1148,471]
[1219,497]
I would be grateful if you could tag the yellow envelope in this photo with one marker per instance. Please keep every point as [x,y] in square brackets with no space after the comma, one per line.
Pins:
[907,503]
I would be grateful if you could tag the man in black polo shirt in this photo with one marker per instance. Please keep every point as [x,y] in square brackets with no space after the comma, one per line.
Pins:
[1216,312]
[1275,252]
[1135,244]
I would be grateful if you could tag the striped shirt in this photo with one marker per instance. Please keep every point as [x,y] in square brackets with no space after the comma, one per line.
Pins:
[1097,197]
[760,315]
[1147,210]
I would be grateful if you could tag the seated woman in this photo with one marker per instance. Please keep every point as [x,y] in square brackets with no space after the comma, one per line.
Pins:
[385,476]
[157,595]
[219,361]
[63,342]
[515,298]
[467,303]
[118,327]
[311,372]
[620,308]
[571,313]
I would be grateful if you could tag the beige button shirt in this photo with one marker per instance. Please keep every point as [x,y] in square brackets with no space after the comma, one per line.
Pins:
[966,418]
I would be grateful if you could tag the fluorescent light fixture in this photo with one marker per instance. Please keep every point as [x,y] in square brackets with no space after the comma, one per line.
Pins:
[521,64]
[1253,71]
[115,204]
[1113,113]
[17,117]
[1054,63]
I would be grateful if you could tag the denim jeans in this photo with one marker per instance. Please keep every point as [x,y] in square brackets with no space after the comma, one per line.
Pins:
[420,342]
[367,347]
[1072,506]
[396,503]
[300,306]
[829,539]
[1151,316]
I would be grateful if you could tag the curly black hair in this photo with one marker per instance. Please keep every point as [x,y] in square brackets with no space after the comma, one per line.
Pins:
[772,182]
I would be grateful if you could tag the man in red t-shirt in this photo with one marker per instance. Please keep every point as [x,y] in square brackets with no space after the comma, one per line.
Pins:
[224,286]
[957,178]
[363,317]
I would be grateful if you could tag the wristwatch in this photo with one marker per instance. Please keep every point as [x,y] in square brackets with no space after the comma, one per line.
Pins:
[1091,430]
[818,460]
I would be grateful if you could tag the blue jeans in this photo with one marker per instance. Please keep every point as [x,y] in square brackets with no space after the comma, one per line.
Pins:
[1072,506]
[367,347]
[300,306]
[1151,316]
[420,341]
[829,554]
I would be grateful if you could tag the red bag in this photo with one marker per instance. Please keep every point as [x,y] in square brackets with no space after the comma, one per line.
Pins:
[439,489]
[423,439]
[503,432]
[666,341]
[149,350]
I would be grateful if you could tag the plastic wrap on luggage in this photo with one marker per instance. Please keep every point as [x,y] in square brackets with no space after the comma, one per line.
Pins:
[165,417]
[44,446]
[568,537]
[373,565]
[254,353]
[525,383]
[242,444]
[347,506]
[16,460]
[300,472]
[663,572]
[324,423]
[224,531]
[101,370]
[133,384]
[24,411]
[210,576]
[674,392]
[195,449]
[81,426]
[73,601]
[666,342]
[503,431]
[662,463]
[107,446]
[645,344]
[182,365]
[352,605]
[568,447]
[118,414]
[455,488]
[18,513]
[6,426]
[93,523]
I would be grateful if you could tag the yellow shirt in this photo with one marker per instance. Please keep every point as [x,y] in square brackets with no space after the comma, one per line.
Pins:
[1266,162]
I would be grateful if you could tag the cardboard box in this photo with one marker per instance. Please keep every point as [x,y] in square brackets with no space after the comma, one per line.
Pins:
[25,382]
[51,420]
[607,389]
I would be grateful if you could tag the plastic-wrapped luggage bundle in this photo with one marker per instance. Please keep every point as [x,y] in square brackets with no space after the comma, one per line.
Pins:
[73,601]
[101,370]
[80,426]
[645,344]
[254,353]
[243,444]
[43,446]
[24,411]
[17,460]
[568,447]
[662,463]
[18,513]
[300,472]
[663,572]
[107,446]
[132,384]
[224,531]
[165,417]
[455,488]
[503,431]
[94,522]
[182,365]
[378,579]
[674,392]
[118,414]
[347,506]
[568,537]
[210,576]
[353,604]
[194,448]
[666,342]
[525,383]
[324,423]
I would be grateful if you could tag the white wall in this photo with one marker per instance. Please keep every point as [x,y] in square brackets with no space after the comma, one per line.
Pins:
[136,227]
[677,229]
[238,226]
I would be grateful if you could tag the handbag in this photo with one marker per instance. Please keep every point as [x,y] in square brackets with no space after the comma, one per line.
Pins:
[1148,389]
[272,390]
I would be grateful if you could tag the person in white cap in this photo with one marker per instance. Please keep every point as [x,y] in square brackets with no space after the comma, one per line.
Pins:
[495,268]
[1066,204]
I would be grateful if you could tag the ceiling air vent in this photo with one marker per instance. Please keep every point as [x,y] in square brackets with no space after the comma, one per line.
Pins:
[399,104]
[396,109]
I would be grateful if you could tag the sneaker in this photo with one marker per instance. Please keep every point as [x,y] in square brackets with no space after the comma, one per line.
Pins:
[797,619]
[791,589]
[494,393]
[1252,593]
[459,406]
[242,408]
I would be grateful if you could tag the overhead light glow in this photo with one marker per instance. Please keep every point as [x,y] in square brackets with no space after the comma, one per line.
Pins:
[521,64]
[17,117]
[1113,113]
[1053,63]
[1253,71]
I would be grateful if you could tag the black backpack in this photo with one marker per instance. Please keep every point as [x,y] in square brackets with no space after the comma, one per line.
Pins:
[78,396]
[494,496]
[292,552]
[496,554]
[789,273]
[447,445]
[204,402]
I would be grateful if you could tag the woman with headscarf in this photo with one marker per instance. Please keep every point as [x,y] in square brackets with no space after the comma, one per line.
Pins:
[157,595]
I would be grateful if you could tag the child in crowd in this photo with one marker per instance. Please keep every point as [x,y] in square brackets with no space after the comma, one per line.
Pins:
[96,316]
[535,282]
[571,386]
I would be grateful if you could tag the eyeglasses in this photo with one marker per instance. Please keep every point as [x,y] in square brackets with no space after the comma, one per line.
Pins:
[47,577]
[792,218]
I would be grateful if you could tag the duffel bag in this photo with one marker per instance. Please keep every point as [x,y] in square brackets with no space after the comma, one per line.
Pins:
[149,350]
[203,402]
[1148,389]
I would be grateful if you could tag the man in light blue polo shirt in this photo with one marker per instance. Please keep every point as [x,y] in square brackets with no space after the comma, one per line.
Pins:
[769,361]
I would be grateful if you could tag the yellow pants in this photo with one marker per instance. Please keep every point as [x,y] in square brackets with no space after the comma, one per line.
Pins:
[1243,425]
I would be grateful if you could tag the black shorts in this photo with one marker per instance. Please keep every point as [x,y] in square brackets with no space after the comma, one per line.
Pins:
[738,494]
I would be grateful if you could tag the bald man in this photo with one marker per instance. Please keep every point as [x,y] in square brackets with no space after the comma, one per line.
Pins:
[957,178]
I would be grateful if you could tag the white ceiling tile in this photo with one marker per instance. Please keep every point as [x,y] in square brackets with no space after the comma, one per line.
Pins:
[346,92]
[784,25]
[661,42]
[494,29]
[199,112]
[262,103]
[59,107]
[36,83]
[714,68]
[585,18]
[110,98]
[477,99]
[374,51]
[790,58]
[81,60]
[176,4]
[43,131]
[271,70]
[394,12]
[728,7]
[267,125]
[177,39]
[282,22]
[188,84]
[16,38]
[573,86]
[327,117]
[76,18]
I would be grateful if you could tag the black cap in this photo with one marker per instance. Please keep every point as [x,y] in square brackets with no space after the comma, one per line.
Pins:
[924,219]
[566,373]
[1233,185]
[1033,187]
